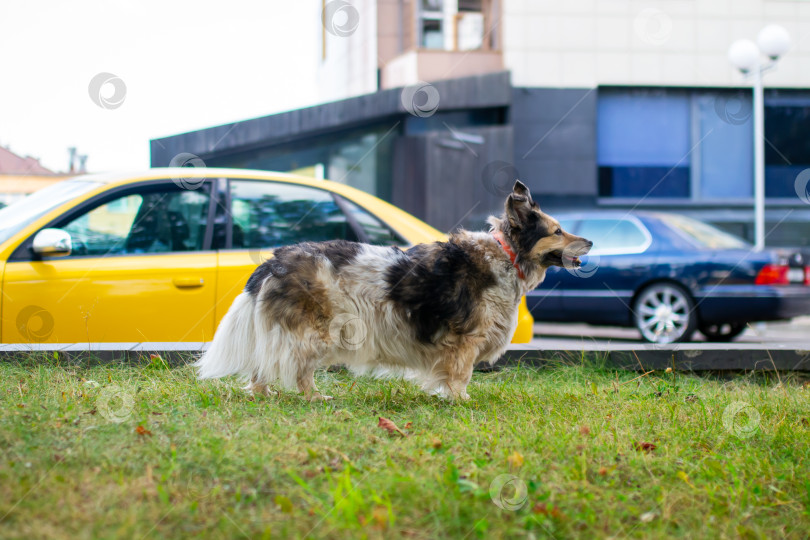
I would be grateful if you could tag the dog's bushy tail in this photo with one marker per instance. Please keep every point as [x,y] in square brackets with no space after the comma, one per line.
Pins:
[233,349]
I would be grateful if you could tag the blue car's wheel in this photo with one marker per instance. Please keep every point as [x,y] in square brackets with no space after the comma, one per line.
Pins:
[664,313]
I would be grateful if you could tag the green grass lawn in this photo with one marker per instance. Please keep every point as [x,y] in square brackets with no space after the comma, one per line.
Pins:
[568,451]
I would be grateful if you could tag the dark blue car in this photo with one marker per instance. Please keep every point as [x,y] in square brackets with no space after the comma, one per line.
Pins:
[669,275]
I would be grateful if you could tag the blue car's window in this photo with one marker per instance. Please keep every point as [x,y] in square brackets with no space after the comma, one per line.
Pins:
[614,235]
[703,234]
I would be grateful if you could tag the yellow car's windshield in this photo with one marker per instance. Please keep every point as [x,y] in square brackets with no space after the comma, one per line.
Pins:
[19,214]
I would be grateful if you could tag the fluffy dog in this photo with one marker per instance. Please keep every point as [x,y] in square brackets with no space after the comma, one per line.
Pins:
[430,313]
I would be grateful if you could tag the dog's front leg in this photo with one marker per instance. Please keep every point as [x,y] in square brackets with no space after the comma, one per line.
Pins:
[255,386]
[458,366]
[306,383]
[458,388]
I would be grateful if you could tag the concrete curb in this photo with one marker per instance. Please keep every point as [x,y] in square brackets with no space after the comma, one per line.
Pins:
[680,357]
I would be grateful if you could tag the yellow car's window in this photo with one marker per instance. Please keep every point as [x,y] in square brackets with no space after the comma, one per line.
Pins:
[272,214]
[148,222]
[377,232]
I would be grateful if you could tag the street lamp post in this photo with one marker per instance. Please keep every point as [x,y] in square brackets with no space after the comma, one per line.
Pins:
[773,41]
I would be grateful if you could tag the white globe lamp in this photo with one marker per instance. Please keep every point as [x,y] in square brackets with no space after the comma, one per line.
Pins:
[744,55]
[773,41]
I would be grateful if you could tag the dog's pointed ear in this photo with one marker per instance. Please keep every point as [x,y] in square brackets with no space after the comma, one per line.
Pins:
[519,204]
[520,189]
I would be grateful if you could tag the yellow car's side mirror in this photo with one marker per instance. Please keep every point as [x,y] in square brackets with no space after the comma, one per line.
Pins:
[52,243]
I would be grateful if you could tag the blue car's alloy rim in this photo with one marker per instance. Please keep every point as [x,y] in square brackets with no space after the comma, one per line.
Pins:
[663,313]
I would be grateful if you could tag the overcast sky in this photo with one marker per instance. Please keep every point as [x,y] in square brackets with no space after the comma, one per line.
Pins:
[186,65]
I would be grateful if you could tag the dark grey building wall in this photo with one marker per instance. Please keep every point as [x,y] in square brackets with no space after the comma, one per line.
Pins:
[450,183]
[478,92]
[555,142]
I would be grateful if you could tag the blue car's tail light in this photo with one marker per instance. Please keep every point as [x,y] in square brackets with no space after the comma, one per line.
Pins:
[782,274]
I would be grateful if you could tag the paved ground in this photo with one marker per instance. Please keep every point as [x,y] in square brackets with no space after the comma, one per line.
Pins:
[564,336]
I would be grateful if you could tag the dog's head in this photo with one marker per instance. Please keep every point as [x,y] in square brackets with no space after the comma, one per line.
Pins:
[538,237]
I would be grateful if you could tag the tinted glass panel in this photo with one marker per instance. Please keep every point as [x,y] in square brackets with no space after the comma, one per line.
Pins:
[361,158]
[273,214]
[142,222]
[643,144]
[787,150]
[612,234]
[726,146]
[644,181]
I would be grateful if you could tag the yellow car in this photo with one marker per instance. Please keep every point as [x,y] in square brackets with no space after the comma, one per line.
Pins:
[160,256]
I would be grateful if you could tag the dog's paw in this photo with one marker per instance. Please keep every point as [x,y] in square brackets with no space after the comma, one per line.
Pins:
[261,389]
[317,396]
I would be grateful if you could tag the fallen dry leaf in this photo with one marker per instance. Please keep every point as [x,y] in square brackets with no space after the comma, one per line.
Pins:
[142,431]
[380,517]
[644,446]
[515,460]
[584,430]
[436,443]
[409,425]
[543,509]
[389,426]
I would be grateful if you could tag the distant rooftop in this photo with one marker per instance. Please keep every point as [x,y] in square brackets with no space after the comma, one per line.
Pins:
[11,163]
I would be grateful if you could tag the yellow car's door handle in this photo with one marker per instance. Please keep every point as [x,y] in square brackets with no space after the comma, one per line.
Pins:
[188,282]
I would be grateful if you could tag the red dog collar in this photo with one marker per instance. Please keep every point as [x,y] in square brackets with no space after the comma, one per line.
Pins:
[512,256]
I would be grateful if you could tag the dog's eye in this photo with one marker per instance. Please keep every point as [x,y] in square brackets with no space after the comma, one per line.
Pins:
[559,232]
